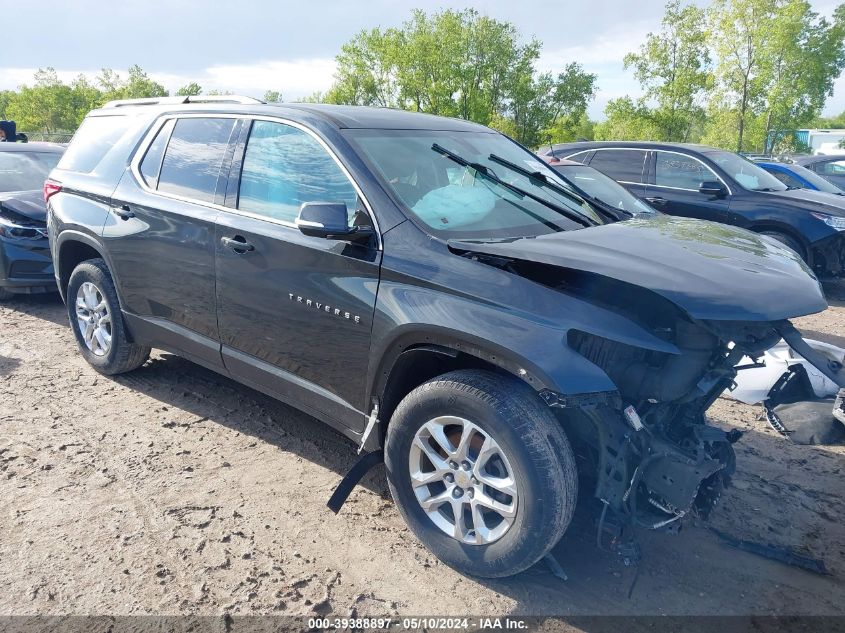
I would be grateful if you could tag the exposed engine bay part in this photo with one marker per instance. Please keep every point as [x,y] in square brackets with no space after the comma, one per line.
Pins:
[801,399]
[657,461]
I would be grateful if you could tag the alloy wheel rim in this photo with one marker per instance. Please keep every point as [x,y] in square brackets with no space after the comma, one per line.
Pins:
[463,480]
[94,319]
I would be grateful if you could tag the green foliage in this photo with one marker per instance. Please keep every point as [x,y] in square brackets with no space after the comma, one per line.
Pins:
[314,97]
[777,63]
[190,90]
[627,121]
[765,66]
[834,122]
[272,96]
[673,68]
[137,85]
[462,64]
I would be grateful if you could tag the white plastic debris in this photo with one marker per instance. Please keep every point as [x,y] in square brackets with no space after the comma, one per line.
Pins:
[753,385]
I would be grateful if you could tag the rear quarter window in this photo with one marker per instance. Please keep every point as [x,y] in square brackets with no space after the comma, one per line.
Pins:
[92,141]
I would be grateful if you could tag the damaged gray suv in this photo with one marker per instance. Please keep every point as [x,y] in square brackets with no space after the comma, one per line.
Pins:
[435,292]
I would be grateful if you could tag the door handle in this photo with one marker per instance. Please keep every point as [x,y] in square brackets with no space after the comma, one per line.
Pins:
[237,244]
[124,212]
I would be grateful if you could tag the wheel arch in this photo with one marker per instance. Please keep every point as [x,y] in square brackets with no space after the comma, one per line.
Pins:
[785,229]
[73,248]
[411,363]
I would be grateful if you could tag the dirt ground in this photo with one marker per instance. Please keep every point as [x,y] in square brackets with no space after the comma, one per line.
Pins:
[173,490]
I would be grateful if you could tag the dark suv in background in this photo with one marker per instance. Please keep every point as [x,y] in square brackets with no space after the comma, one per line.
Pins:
[432,289]
[697,181]
[25,264]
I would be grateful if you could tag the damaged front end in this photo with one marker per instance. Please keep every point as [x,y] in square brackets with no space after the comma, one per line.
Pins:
[656,460]
[710,294]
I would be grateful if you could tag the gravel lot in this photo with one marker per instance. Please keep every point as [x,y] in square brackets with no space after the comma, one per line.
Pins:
[173,490]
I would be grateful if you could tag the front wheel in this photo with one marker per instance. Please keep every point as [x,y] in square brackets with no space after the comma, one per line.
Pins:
[481,471]
[96,321]
[787,240]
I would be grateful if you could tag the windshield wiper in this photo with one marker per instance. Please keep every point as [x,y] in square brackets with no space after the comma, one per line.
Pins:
[485,171]
[545,181]
[609,209]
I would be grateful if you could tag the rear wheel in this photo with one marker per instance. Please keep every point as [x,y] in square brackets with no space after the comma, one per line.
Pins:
[481,471]
[96,321]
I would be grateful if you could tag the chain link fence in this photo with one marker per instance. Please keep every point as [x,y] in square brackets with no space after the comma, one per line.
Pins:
[52,137]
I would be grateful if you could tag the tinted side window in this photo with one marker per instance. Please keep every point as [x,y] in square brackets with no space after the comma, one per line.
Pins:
[680,172]
[580,156]
[620,164]
[832,168]
[194,156]
[787,179]
[92,141]
[283,168]
[151,164]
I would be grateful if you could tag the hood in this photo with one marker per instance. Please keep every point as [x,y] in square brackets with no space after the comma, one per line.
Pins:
[711,271]
[29,204]
[821,201]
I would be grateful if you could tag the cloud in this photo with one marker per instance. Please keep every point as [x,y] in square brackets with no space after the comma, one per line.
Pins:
[606,48]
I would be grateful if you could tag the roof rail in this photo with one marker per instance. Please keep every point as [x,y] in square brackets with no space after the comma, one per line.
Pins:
[119,103]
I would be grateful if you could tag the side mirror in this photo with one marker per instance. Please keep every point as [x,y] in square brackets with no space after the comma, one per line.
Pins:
[329,220]
[712,188]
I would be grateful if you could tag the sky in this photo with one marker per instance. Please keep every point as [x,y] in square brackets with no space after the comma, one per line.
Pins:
[256,45]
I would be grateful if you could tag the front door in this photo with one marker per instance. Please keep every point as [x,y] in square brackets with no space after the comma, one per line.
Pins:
[674,188]
[295,312]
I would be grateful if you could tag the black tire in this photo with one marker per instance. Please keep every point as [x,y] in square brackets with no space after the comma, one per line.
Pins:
[123,355]
[527,432]
[787,240]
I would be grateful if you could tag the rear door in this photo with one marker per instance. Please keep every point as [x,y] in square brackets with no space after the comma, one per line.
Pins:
[625,165]
[161,234]
[674,188]
[295,312]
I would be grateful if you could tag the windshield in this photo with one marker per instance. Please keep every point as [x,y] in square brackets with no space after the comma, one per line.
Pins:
[603,188]
[746,173]
[454,200]
[25,171]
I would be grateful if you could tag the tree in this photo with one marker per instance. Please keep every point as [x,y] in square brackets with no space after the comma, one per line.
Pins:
[47,106]
[833,122]
[273,96]
[627,120]
[189,90]
[673,68]
[777,63]
[136,86]
[461,64]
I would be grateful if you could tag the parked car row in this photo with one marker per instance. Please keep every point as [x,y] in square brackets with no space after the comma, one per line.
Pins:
[498,329]
[696,181]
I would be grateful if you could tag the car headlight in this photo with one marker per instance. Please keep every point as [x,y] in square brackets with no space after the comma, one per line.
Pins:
[836,222]
[17,230]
